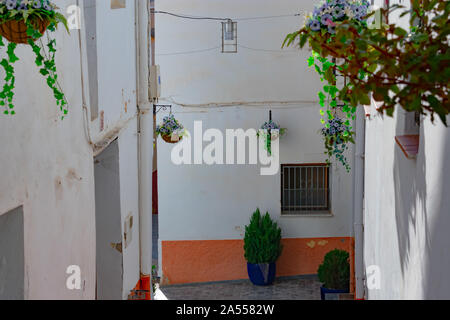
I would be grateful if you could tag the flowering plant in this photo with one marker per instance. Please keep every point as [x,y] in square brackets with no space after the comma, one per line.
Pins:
[329,12]
[271,131]
[321,25]
[25,21]
[395,65]
[170,129]
[336,137]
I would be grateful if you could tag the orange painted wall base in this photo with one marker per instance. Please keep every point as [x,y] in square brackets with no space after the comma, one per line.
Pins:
[142,289]
[220,260]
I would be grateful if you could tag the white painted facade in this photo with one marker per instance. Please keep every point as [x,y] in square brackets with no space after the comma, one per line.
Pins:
[406,211]
[406,217]
[201,202]
[48,163]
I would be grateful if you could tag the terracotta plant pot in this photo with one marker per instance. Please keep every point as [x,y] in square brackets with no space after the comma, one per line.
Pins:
[16,30]
[168,139]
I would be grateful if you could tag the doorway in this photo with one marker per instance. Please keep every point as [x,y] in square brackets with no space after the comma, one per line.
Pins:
[12,255]
[108,224]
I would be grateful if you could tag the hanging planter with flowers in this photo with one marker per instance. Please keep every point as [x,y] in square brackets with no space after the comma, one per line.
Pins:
[320,29]
[271,131]
[25,22]
[336,139]
[170,130]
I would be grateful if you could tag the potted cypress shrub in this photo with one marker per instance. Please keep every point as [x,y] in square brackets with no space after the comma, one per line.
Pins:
[334,273]
[262,246]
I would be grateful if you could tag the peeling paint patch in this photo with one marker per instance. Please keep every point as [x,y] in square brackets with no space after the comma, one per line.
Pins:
[117,246]
[322,242]
[102,120]
[311,244]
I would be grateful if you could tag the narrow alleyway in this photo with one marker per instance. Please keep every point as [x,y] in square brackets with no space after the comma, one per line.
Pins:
[286,288]
[155,240]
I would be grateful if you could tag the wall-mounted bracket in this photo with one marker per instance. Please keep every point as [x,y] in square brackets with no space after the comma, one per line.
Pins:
[158,107]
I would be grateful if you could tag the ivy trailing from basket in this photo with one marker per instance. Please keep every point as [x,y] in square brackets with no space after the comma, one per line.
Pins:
[270,131]
[31,19]
[322,23]
[337,135]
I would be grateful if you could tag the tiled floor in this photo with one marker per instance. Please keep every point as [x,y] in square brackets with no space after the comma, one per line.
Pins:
[292,288]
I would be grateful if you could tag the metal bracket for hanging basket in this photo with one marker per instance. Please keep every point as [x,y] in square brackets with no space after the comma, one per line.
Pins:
[158,107]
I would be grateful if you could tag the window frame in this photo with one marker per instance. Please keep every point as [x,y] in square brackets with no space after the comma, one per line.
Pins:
[307,212]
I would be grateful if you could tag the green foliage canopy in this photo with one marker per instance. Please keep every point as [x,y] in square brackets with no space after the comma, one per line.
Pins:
[396,66]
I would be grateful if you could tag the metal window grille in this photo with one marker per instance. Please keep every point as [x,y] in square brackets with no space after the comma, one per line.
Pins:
[304,189]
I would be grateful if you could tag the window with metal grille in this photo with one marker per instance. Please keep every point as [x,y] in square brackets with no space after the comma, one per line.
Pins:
[304,188]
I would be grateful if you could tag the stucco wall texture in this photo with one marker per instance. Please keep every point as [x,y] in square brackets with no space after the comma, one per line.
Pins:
[219,260]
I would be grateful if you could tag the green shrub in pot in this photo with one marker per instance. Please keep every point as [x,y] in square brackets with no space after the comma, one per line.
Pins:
[262,242]
[334,272]
[262,246]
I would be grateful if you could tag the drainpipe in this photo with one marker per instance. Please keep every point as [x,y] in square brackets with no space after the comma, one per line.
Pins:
[358,205]
[145,146]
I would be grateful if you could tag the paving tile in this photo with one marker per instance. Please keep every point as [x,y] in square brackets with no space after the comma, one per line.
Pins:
[293,288]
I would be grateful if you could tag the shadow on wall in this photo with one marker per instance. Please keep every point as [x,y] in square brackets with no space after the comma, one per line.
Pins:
[414,216]
[437,268]
[410,195]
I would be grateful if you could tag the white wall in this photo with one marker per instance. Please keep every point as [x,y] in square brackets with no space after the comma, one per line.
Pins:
[201,202]
[406,211]
[47,166]
[116,45]
[407,208]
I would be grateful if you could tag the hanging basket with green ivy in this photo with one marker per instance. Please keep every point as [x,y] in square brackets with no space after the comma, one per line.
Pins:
[25,22]
[321,26]
[270,131]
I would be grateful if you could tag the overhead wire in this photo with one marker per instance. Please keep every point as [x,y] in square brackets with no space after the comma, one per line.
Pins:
[193,17]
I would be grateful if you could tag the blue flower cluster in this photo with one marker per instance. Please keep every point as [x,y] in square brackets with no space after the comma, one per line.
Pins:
[28,4]
[331,11]
[336,144]
[270,125]
[169,126]
[336,127]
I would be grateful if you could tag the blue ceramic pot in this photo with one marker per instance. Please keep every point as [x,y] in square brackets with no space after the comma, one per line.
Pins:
[262,274]
[324,291]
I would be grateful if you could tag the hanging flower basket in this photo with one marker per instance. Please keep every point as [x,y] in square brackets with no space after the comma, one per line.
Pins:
[171,130]
[271,132]
[171,138]
[336,135]
[16,30]
[24,22]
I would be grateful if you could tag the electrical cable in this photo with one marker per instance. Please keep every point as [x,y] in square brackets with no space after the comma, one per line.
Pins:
[188,52]
[268,17]
[267,50]
[192,17]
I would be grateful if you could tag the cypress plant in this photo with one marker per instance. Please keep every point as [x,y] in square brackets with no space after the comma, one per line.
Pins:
[262,241]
